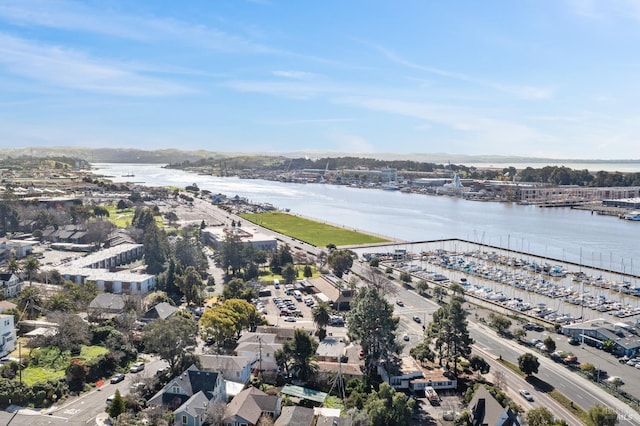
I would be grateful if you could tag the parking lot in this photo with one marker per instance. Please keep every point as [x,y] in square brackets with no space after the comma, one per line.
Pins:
[285,310]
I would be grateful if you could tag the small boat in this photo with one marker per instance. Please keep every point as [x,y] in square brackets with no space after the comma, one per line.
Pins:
[633,215]
[391,186]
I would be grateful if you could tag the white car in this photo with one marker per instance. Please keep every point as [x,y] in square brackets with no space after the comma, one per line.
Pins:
[137,367]
[526,394]
[405,337]
[290,319]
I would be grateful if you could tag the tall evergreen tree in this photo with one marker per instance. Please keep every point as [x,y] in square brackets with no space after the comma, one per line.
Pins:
[156,248]
[450,333]
[371,322]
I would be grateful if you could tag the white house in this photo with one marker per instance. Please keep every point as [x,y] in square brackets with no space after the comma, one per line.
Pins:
[414,378]
[260,349]
[11,284]
[233,368]
[7,335]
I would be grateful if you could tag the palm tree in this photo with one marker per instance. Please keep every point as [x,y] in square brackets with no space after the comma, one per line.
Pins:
[13,266]
[321,316]
[31,267]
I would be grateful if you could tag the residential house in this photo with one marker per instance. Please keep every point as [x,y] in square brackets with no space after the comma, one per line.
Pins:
[329,370]
[193,412]
[486,410]
[333,421]
[233,368]
[106,304]
[182,388]
[249,405]
[8,337]
[162,310]
[295,416]
[10,284]
[260,349]
[330,350]
[413,377]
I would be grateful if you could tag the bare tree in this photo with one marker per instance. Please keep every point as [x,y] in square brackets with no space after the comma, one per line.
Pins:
[500,380]
[215,412]
[378,281]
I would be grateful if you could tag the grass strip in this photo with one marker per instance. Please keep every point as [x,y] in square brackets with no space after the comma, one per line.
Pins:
[310,231]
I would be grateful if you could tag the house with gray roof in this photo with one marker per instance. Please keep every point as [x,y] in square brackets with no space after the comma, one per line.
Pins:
[162,310]
[10,284]
[253,345]
[107,303]
[193,412]
[295,416]
[181,388]
[249,406]
[330,350]
[233,368]
[486,410]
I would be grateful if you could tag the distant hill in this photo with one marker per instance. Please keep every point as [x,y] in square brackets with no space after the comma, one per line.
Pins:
[169,156]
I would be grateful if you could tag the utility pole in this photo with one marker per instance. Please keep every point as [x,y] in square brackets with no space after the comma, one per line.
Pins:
[260,352]
[20,362]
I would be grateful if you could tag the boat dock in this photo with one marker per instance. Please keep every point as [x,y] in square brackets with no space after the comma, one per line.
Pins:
[550,290]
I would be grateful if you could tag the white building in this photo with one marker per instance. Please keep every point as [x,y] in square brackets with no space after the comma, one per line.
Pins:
[215,236]
[11,284]
[7,335]
[99,268]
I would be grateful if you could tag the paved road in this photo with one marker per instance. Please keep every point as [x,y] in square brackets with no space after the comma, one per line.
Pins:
[81,411]
[489,345]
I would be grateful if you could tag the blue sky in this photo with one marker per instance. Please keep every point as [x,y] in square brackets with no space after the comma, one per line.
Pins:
[545,78]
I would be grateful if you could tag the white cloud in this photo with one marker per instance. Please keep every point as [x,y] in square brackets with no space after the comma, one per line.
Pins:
[295,75]
[481,129]
[67,68]
[307,121]
[520,91]
[76,16]
[606,10]
[292,89]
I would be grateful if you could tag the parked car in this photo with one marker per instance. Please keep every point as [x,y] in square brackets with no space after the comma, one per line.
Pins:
[290,319]
[117,378]
[163,371]
[615,379]
[417,319]
[400,303]
[405,337]
[533,326]
[137,367]
[526,394]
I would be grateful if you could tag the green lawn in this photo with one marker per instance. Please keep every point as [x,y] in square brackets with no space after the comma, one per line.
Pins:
[123,218]
[315,233]
[51,363]
[269,276]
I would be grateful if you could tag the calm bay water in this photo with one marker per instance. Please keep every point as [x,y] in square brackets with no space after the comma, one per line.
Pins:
[569,235]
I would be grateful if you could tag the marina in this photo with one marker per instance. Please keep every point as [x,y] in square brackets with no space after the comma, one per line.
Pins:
[547,289]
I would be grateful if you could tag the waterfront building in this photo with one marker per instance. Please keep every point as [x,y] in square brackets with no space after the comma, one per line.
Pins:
[214,236]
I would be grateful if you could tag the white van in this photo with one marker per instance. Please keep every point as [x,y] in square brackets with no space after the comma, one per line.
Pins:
[297,295]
